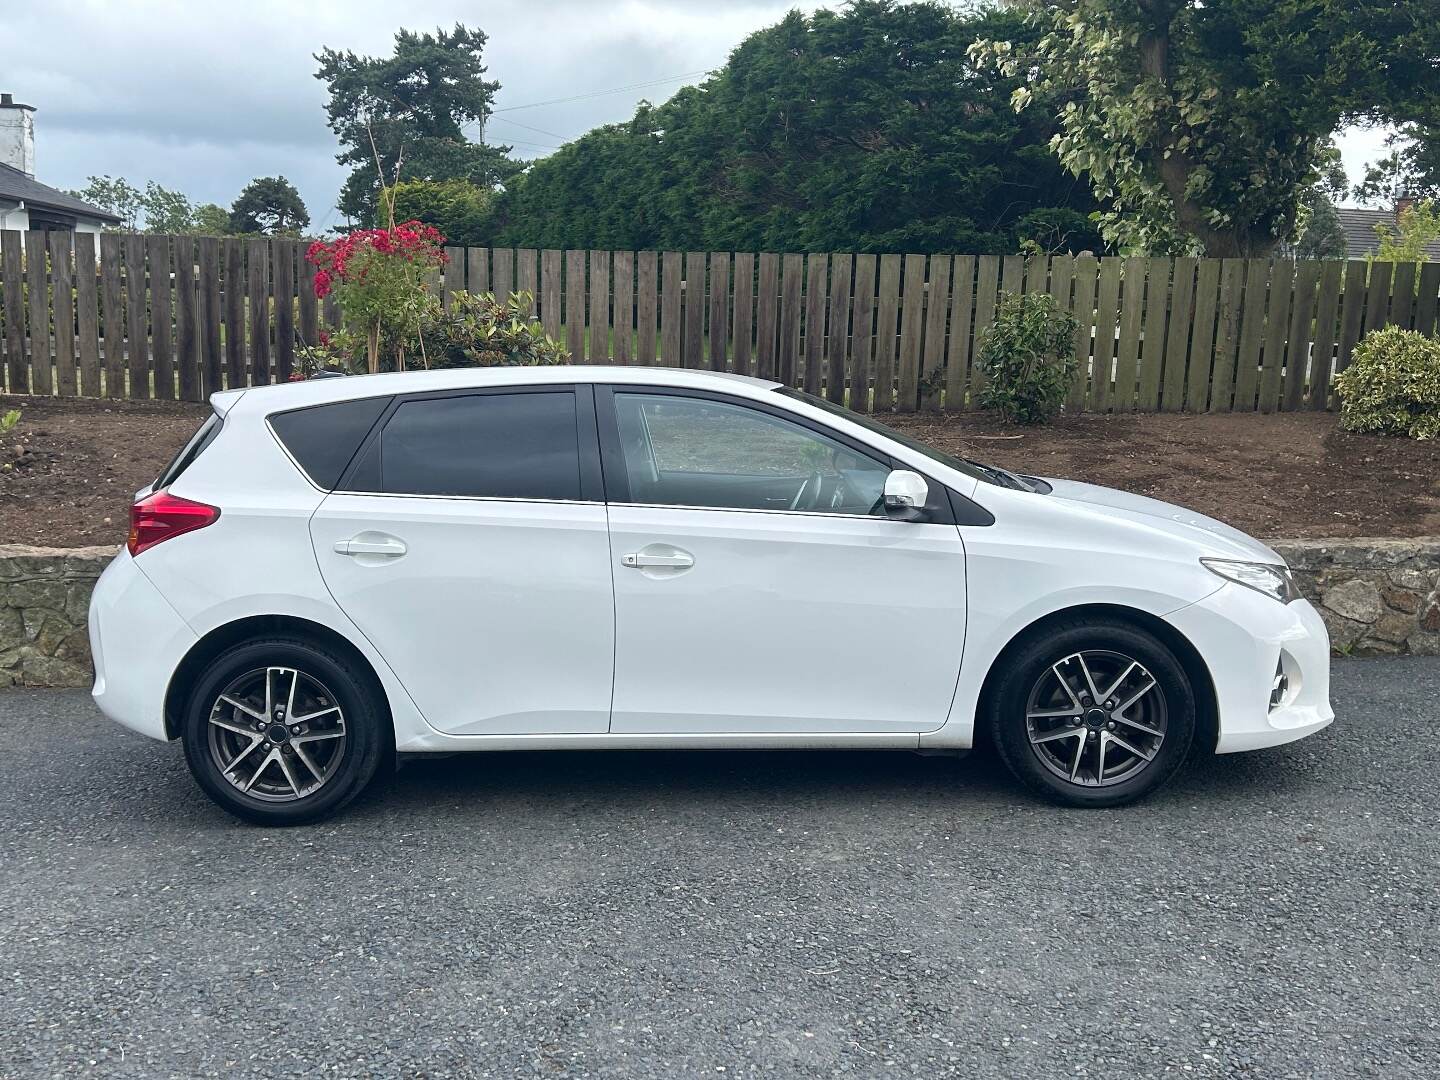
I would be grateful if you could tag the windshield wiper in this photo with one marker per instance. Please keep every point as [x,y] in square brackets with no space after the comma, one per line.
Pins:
[1003,477]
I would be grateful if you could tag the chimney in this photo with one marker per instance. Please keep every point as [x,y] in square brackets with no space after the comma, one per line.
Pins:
[17,135]
[1404,204]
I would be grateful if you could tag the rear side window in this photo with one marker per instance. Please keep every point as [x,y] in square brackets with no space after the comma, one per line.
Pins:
[323,438]
[498,446]
[202,438]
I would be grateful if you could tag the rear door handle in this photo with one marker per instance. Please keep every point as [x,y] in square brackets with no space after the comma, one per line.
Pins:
[639,560]
[392,548]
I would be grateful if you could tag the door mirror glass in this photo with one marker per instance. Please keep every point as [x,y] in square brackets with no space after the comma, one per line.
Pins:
[906,493]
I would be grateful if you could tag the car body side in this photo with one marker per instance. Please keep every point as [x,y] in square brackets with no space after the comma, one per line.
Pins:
[1043,557]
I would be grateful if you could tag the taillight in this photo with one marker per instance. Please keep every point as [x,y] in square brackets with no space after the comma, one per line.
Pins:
[160,516]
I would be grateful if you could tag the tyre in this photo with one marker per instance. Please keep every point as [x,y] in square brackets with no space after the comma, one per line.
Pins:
[283,731]
[1093,714]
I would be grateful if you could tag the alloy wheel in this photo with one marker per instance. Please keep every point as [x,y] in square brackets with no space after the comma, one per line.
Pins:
[1096,718]
[277,734]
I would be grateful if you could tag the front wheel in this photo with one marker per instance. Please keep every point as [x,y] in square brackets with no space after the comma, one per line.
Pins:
[1093,714]
[282,731]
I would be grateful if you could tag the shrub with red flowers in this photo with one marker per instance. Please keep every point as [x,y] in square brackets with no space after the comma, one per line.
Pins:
[381,282]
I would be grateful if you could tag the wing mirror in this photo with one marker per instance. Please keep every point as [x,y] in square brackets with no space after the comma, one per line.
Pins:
[906,494]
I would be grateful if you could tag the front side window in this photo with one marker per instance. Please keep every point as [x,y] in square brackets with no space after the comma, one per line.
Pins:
[499,446]
[681,451]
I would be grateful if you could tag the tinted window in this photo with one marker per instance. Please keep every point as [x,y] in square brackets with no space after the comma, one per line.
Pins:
[324,438]
[510,446]
[683,451]
[202,438]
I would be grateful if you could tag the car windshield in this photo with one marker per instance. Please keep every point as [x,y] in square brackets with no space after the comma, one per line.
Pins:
[990,474]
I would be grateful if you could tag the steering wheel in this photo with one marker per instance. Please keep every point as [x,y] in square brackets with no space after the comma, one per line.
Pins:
[814,480]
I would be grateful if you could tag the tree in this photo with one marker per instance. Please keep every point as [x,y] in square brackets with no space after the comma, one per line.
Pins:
[1318,233]
[863,129]
[413,111]
[210,220]
[458,209]
[155,209]
[1410,170]
[1200,123]
[166,211]
[269,204]
[1417,227]
[115,195]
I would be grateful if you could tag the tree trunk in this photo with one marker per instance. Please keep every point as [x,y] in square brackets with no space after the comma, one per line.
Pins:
[1175,167]
[372,347]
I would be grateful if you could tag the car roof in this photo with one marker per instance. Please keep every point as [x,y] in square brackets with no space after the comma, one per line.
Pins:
[294,395]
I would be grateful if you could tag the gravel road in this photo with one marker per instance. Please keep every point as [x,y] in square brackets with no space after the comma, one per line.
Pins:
[725,914]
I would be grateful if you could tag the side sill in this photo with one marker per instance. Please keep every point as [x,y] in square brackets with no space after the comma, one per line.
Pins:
[438,743]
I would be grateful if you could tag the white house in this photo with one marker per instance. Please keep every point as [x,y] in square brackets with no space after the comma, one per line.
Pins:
[25,203]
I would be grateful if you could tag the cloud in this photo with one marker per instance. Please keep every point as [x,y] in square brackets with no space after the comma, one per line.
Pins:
[204,97]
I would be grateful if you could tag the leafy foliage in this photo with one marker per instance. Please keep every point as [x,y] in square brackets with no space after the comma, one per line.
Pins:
[1027,358]
[154,208]
[416,105]
[210,220]
[473,330]
[1318,233]
[458,209]
[1392,385]
[380,278]
[1412,168]
[1200,124]
[479,331]
[863,129]
[9,421]
[270,205]
[1417,227]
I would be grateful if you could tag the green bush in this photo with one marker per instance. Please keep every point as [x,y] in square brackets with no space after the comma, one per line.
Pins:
[479,331]
[1027,358]
[472,330]
[1392,385]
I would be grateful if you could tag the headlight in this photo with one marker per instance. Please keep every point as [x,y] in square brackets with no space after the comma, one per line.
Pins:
[1274,581]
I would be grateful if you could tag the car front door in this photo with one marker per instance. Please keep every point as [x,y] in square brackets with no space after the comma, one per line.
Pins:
[468,542]
[759,586]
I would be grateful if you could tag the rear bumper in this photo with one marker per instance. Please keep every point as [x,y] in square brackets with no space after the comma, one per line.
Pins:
[137,641]
[1243,636]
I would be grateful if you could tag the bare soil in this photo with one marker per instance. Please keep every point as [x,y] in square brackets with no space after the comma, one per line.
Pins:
[1286,475]
[68,470]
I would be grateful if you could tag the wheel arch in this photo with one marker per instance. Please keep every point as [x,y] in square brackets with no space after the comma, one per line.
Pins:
[224,636]
[1207,714]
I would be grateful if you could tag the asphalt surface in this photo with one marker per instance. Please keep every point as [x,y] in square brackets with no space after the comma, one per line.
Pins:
[725,914]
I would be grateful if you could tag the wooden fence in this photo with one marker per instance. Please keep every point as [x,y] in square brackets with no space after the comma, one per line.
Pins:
[165,317]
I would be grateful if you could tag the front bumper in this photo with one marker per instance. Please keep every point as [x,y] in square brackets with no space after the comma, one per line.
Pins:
[137,641]
[1243,637]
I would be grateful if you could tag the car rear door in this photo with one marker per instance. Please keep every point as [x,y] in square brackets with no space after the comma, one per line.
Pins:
[467,540]
[758,586]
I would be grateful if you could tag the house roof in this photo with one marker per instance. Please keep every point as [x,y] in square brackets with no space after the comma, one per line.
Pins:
[14,184]
[1361,238]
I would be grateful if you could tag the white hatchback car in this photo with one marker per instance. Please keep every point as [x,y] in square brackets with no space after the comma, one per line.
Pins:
[336,571]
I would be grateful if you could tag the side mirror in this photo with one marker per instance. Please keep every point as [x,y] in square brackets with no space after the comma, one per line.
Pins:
[906,493]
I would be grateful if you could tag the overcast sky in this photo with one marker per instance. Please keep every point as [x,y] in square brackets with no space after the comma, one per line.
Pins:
[204,97]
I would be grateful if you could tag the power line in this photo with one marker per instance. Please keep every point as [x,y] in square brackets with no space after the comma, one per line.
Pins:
[527,127]
[602,93]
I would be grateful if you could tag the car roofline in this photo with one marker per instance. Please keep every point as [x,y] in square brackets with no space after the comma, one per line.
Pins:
[294,395]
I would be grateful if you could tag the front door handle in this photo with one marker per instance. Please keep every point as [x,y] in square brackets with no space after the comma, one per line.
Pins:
[389,548]
[640,560]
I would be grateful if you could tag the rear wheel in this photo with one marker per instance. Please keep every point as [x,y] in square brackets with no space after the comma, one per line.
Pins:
[1093,714]
[283,731]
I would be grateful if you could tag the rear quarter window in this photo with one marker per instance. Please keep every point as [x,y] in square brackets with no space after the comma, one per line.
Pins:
[323,438]
[203,437]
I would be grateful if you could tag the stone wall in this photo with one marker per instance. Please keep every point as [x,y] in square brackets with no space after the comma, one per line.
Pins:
[44,596]
[1376,596]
